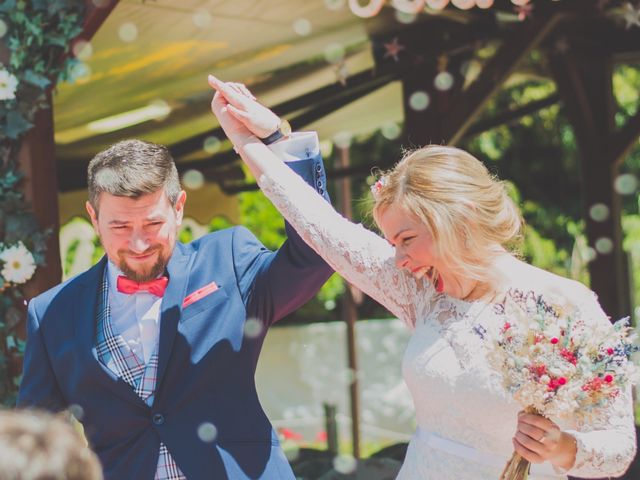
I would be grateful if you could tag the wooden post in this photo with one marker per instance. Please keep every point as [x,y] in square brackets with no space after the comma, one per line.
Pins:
[584,80]
[350,316]
[37,161]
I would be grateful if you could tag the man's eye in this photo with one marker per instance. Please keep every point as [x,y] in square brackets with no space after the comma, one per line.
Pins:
[406,240]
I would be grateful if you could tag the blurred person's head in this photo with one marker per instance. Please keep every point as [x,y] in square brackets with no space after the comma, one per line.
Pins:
[447,216]
[136,206]
[40,446]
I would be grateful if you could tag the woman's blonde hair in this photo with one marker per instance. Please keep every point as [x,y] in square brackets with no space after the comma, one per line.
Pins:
[466,209]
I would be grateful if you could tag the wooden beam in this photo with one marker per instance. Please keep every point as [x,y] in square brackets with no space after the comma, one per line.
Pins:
[470,104]
[509,116]
[74,177]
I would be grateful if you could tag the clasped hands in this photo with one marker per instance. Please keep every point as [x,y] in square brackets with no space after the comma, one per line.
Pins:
[240,115]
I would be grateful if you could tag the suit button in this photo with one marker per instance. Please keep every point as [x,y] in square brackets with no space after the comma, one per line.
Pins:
[319,184]
[318,168]
[321,191]
[158,419]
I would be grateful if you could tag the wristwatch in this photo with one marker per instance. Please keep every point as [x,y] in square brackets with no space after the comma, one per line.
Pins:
[284,130]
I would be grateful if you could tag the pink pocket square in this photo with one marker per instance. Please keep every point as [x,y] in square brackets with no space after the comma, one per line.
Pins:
[199,294]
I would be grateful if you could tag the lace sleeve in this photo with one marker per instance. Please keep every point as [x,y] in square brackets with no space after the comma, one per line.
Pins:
[359,255]
[606,445]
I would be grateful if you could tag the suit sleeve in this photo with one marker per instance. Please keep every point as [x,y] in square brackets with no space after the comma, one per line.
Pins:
[276,283]
[39,387]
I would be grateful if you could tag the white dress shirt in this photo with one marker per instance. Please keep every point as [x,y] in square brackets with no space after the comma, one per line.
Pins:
[136,317]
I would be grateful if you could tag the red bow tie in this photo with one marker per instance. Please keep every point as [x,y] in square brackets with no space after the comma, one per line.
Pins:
[155,287]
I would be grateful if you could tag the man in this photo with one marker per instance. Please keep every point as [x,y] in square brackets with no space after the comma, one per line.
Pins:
[38,445]
[158,343]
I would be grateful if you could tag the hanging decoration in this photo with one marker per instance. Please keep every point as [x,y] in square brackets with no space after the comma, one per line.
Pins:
[370,8]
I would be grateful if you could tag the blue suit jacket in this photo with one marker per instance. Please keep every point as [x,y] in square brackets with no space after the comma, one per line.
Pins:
[206,362]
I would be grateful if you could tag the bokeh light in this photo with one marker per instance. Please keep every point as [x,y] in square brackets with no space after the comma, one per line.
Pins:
[419,100]
[391,130]
[345,464]
[343,139]
[82,50]
[207,432]
[604,245]
[211,144]
[626,184]
[302,27]
[252,328]
[128,32]
[334,53]
[193,179]
[599,212]
[443,81]
[202,18]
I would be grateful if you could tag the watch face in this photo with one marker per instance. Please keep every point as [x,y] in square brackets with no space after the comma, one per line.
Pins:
[285,128]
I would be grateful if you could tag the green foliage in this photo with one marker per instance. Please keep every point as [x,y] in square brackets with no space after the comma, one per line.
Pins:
[38,38]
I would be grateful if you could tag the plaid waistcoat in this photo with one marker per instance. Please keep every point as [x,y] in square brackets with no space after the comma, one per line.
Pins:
[115,354]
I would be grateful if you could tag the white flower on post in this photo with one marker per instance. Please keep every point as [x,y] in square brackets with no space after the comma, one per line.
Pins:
[8,84]
[19,265]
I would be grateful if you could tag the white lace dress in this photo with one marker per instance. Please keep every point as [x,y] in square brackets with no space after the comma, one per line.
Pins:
[465,418]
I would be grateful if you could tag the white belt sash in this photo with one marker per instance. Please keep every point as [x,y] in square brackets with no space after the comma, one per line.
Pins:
[451,447]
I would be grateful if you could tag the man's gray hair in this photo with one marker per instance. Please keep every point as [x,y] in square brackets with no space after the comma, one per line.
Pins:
[132,168]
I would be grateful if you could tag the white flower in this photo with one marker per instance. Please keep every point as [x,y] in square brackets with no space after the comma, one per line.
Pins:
[8,84]
[19,264]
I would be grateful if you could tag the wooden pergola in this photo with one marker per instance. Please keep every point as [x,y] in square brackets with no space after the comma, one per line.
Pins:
[581,41]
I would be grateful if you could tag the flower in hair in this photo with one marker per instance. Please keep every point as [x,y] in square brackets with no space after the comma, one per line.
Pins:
[377,187]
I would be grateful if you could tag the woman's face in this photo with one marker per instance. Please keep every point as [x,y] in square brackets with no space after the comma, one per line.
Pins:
[416,250]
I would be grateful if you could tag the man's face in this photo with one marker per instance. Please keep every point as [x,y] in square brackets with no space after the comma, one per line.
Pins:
[138,234]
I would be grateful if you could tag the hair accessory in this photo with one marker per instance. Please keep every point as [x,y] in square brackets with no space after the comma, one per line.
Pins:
[377,187]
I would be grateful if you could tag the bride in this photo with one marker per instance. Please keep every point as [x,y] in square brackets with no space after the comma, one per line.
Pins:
[442,267]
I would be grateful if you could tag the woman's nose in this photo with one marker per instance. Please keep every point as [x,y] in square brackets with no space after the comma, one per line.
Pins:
[401,258]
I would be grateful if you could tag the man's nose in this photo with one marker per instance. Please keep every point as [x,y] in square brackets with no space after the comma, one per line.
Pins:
[138,242]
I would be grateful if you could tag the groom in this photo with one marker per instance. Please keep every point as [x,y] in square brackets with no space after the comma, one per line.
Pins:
[157,344]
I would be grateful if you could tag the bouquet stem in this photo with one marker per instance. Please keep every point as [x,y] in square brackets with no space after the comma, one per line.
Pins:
[518,467]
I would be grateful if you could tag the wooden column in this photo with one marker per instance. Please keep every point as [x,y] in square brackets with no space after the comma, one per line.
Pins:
[350,313]
[584,80]
[37,161]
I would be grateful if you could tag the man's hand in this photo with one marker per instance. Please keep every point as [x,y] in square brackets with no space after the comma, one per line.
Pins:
[244,107]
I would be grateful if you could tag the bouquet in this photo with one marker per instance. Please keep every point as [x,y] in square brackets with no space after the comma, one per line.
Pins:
[557,365]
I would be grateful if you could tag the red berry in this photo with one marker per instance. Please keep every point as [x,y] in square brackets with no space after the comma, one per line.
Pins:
[554,340]
[608,378]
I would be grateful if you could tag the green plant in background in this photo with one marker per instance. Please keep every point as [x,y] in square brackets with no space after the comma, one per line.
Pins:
[34,42]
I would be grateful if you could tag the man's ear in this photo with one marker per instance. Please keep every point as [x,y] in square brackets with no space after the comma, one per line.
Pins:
[179,206]
[93,215]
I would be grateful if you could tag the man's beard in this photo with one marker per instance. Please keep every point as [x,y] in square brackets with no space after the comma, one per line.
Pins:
[147,273]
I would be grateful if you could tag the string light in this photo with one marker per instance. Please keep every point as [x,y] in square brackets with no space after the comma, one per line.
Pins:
[370,8]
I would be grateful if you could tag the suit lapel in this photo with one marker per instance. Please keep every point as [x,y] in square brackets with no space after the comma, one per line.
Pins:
[178,270]
[85,329]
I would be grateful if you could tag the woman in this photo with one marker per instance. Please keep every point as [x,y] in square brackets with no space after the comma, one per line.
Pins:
[443,266]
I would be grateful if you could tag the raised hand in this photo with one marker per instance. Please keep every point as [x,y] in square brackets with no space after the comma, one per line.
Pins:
[244,107]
